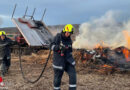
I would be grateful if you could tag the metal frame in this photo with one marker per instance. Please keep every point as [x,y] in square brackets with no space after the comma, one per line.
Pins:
[43,14]
[14,10]
[25,14]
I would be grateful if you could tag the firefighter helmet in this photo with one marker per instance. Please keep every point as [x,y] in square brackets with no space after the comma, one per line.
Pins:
[2,33]
[68,28]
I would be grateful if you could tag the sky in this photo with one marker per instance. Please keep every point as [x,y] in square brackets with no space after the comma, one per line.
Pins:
[62,11]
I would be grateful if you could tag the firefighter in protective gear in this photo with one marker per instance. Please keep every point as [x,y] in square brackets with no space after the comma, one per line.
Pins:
[5,52]
[62,57]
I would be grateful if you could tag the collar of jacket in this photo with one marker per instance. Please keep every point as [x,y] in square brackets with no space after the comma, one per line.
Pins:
[63,36]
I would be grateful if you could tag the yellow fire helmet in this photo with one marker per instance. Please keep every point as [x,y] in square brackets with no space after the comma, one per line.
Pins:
[68,28]
[2,33]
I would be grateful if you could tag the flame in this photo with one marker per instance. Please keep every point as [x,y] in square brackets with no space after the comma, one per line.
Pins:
[105,69]
[97,46]
[106,66]
[126,52]
[101,45]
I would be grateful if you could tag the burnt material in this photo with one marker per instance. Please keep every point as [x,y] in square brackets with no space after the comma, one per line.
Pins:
[105,56]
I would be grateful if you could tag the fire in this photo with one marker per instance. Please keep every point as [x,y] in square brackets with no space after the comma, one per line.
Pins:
[97,46]
[101,45]
[126,52]
[107,66]
[106,69]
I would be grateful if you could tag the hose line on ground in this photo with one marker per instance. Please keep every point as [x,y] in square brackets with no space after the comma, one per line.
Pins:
[43,69]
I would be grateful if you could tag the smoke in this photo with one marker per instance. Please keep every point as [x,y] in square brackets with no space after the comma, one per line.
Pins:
[106,31]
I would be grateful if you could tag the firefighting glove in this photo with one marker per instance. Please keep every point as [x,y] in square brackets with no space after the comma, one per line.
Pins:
[62,48]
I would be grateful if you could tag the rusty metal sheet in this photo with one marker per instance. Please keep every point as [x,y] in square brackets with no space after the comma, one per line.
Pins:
[34,36]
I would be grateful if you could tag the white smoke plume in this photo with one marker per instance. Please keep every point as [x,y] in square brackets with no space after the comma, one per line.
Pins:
[106,31]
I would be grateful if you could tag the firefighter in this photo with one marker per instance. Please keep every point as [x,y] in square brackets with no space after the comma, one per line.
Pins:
[5,52]
[62,57]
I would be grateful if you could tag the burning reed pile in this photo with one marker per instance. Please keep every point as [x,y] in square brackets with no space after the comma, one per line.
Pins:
[104,60]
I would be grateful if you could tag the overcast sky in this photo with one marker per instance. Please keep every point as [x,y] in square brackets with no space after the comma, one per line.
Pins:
[62,11]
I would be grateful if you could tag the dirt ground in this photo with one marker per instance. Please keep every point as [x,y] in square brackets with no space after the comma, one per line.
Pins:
[87,79]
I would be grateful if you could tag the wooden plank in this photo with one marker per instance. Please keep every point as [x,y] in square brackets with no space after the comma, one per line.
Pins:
[33,37]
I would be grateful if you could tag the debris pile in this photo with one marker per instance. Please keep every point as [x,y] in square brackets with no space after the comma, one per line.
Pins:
[104,60]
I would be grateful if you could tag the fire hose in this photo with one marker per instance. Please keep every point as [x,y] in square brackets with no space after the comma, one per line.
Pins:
[43,69]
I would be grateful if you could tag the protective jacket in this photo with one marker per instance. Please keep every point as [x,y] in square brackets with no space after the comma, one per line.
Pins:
[5,50]
[59,61]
